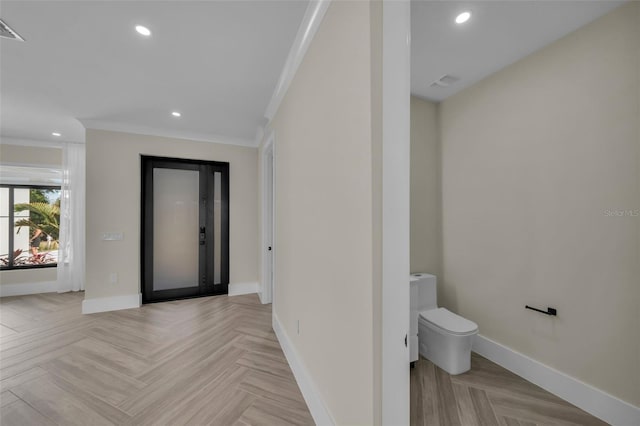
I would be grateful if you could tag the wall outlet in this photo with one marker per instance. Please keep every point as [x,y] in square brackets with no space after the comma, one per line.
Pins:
[113,277]
[298,327]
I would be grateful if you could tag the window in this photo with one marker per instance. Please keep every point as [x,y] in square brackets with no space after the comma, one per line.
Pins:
[29,226]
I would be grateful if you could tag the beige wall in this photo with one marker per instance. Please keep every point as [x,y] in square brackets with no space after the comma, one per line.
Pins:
[323,208]
[28,276]
[31,155]
[533,158]
[426,196]
[377,158]
[113,204]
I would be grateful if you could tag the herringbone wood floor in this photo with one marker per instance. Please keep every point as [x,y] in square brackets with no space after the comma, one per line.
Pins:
[212,360]
[486,395]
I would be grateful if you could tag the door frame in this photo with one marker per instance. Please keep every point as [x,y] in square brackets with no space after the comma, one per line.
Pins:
[268,220]
[396,154]
[146,228]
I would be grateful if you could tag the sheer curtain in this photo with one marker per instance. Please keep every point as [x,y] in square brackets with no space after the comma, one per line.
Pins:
[71,252]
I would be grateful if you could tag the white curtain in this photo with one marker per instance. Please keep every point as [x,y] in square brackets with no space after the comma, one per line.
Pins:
[71,252]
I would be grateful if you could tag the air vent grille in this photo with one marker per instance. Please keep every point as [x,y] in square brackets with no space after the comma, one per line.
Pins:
[445,81]
[7,32]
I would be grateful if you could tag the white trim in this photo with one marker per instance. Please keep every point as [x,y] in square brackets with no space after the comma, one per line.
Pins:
[152,131]
[396,79]
[115,303]
[37,143]
[22,289]
[317,407]
[31,180]
[51,166]
[236,289]
[308,27]
[594,401]
[268,149]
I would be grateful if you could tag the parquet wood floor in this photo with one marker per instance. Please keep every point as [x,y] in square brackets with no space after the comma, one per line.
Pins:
[487,395]
[212,360]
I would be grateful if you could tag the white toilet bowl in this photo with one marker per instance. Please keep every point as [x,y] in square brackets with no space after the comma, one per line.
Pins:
[446,339]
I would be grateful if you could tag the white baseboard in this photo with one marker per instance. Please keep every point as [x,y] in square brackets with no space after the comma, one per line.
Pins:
[319,412]
[592,400]
[28,288]
[236,289]
[264,297]
[115,303]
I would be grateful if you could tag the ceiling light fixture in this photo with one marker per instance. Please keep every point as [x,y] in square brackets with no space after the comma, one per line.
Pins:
[143,30]
[56,134]
[176,114]
[463,17]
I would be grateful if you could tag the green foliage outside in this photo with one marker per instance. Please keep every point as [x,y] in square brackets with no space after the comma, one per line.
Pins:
[42,214]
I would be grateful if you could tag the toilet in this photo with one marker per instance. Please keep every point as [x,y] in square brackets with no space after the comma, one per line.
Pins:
[442,337]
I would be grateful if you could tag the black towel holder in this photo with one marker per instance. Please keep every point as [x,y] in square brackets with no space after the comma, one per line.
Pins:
[549,311]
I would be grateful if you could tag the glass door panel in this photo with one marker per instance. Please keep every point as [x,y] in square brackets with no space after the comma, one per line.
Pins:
[217,227]
[176,195]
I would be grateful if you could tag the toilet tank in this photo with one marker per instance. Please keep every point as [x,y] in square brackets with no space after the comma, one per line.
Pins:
[424,295]
[424,292]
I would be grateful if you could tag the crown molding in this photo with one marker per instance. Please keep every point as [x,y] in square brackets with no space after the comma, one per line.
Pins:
[176,134]
[307,30]
[7,140]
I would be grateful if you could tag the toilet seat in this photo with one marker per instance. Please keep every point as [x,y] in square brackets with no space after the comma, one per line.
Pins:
[448,322]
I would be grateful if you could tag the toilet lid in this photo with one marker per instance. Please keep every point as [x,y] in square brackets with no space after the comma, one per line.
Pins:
[449,321]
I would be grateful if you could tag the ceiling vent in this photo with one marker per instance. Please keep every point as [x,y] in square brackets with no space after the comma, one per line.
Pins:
[445,81]
[7,32]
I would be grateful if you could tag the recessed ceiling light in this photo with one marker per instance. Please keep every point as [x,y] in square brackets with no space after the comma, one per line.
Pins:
[143,30]
[463,17]
[176,114]
[56,134]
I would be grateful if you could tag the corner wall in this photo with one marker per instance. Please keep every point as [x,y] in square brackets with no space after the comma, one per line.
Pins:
[113,205]
[323,232]
[541,194]
[426,189]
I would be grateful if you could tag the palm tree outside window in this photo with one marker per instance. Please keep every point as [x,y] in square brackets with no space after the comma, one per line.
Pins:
[29,226]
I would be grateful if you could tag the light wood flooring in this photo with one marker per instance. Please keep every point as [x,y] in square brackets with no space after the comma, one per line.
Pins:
[486,395]
[212,360]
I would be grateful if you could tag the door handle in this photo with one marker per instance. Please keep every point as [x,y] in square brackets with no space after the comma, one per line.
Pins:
[203,235]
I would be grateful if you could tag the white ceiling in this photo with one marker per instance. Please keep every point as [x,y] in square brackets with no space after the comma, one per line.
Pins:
[499,33]
[217,62]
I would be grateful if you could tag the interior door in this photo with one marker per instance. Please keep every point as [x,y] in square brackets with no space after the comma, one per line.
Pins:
[185,228]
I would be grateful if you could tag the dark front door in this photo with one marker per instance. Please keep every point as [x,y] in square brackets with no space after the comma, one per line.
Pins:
[185,228]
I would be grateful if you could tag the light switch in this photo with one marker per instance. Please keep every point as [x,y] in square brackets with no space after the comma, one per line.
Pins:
[112,236]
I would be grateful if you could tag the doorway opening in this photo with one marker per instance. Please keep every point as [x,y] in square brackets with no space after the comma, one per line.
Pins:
[268,246]
[185,228]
